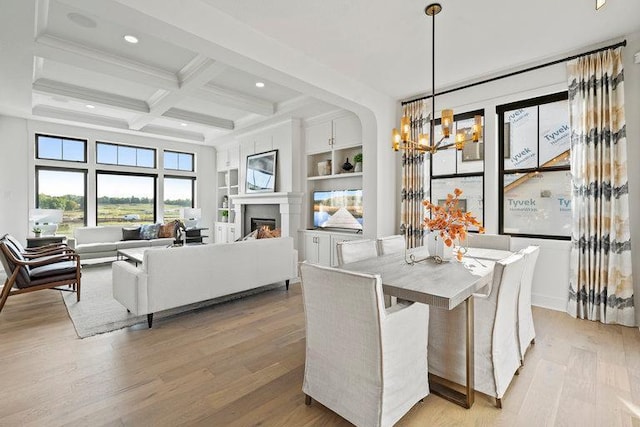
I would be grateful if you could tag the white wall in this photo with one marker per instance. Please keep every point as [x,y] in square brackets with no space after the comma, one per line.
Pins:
[551,280]
[17,177]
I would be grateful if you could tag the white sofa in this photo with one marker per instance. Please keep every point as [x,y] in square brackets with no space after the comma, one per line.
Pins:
[104,241]
[173,277]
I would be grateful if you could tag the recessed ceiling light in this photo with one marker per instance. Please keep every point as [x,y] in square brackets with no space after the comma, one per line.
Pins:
[81,20]
[600,3]
[183,124]
[131,39]
[259,84]
[89,106]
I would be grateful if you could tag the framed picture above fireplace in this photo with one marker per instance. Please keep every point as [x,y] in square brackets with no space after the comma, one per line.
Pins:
[261,172]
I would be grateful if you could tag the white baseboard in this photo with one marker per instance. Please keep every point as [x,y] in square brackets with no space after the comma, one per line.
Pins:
[552,303]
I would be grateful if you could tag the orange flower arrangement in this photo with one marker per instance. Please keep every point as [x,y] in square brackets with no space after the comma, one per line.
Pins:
[450,220]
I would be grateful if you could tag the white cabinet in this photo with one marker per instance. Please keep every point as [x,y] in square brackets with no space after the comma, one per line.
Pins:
[320,246]
[342,131]
[228,158]
[225,232]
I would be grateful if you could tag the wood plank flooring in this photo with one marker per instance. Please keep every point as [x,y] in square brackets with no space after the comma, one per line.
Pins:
[241,364]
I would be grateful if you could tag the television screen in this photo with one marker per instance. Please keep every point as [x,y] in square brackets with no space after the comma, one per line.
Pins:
[338,209]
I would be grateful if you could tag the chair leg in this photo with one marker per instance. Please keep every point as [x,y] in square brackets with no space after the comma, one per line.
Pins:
[150,319]
[498,403]
[8,284]
[307,399]
[533,341]
[287,283]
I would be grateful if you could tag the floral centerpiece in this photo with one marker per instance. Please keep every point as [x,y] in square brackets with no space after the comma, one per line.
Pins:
[449,221]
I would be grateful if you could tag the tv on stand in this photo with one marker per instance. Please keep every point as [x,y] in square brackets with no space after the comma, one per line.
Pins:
[338,209]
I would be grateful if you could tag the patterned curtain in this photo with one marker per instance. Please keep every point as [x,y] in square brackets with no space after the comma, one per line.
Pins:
[600,286]
[412,211]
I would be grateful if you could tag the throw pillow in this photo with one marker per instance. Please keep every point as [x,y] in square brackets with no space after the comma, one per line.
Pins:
[167,230]
[130,233]
[149,231]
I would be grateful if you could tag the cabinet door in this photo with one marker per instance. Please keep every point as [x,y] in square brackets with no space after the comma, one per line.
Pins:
[347,131]
[233,155]
[231,233]
[318,137]
[334,243]
[221,232]
[311,248]
[324,249]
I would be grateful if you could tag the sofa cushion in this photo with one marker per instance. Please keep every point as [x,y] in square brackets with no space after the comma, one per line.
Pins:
[162,241]
[127,244]
[96,247]
[105,233]
[130,233]
[149,231]
[167,230]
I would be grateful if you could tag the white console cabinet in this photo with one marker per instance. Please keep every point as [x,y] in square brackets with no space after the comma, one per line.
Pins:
[320,246]
[225,232]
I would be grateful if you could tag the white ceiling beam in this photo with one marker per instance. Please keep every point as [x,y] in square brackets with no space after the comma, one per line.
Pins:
[160,130]
[52,87]
[75,116]
[75,54]
[194,75]
[42,17]
[234,99]
[189,116]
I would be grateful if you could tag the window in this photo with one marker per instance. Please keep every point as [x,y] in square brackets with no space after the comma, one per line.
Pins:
[64,189]
[178,193]
[178,161]
[463,169]
[124,155]
[535,189]
[125,198]
[59,148]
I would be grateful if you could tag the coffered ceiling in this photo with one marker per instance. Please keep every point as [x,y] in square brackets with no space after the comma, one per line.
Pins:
[193,73]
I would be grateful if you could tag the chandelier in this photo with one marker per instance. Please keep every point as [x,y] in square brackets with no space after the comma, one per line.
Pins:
[401,140]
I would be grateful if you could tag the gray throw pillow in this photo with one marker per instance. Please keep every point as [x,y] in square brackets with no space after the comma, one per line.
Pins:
[149,231]
[130,233]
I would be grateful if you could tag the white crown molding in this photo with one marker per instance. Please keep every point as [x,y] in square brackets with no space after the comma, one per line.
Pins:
[74,116]
[235,99]
[189,116]
[75,54]
[47,86]
[38,67]
[42,17]
[331,115]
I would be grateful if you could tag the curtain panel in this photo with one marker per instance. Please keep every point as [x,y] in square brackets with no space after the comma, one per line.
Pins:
[412,211]
[601,287]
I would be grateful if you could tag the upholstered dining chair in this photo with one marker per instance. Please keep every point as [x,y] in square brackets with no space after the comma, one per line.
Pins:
[496,351]
[390,244]
[355,250]
[526,330]
[46,272]
[364,362]
[488,241]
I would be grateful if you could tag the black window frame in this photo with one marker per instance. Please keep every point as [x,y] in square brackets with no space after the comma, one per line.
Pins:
[462,116]
[500,110]
[62,159]
[154,150]
[193,161]
[85,172]
[155,189]
[193,189]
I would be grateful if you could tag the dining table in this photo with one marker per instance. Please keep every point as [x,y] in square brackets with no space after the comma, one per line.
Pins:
[443,285]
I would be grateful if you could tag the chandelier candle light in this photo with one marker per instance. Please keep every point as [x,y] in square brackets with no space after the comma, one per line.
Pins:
[401,139]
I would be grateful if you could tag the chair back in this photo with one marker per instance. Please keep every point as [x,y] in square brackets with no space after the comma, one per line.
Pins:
[505,349]
[391,244]
[343,314]
[15,243]
[526,330]
[9,255]
[488,241]
[355,250]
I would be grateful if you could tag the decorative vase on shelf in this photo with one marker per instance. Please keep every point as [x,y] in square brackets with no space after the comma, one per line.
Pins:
[347,166]
[436,246]
[324,168]
[358,167]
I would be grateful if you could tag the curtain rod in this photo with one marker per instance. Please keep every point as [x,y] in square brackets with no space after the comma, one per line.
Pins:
[515,73]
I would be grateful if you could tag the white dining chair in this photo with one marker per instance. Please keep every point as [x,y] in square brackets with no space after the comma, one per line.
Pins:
[526,330]
[390,244]
[355,250]
[488,241]
[364,362]
[496,350]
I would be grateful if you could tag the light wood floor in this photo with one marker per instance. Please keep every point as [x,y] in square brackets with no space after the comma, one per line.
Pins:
[241,364]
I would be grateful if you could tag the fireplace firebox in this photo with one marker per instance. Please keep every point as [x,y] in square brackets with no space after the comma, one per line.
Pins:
[257,223]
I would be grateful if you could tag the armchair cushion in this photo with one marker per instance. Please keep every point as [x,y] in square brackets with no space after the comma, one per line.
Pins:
[48,270]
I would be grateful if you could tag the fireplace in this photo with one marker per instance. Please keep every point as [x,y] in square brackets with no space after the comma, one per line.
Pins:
[257,223]
[284,207]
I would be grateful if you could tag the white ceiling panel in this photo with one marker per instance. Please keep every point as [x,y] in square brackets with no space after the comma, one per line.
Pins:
[56,101]
[244,82]
[108,37]
[210,108]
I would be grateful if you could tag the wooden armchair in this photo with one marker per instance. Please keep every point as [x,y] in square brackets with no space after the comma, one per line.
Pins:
[45,272]
[47,250]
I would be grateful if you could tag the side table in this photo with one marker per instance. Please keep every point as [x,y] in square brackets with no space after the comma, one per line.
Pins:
[35,242]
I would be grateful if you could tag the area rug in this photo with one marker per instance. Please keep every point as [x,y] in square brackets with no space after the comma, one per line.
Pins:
[98,312]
